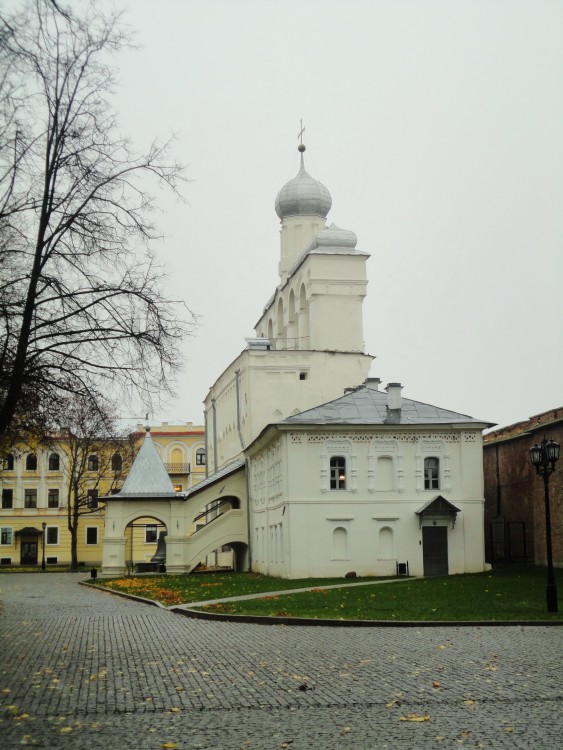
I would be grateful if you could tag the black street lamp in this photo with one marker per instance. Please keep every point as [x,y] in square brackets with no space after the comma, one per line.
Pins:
[43,526]
[544,457]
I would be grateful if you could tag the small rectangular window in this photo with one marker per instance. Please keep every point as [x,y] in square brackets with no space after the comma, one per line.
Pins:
[30,498]
[6,535]
[7,498]
[53,498]
[431,474]
[52,535]
[91,535]
[337,473]
[151,534]
[200,457]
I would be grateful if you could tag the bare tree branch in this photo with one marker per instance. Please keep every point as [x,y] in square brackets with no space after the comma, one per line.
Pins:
[82,302]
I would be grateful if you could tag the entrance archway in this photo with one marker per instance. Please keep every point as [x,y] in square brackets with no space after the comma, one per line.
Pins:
[142,539]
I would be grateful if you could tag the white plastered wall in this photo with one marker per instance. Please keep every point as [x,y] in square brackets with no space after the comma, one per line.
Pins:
[362,529]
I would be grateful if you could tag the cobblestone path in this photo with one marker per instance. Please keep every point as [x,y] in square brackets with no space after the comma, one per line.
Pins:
[82,669]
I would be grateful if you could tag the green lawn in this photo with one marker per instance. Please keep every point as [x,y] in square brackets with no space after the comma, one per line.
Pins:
[510,593]
[198,587]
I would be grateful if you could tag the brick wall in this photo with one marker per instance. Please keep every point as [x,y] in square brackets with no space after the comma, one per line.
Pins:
[513,490]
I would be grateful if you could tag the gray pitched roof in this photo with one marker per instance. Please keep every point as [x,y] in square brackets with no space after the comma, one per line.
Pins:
[366,405]
[148,476]
[218,475]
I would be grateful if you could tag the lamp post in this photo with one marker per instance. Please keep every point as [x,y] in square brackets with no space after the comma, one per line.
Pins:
[544,457]
[43,526]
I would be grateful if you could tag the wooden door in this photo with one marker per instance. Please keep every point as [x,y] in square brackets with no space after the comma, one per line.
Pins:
[28,553]
[435,550]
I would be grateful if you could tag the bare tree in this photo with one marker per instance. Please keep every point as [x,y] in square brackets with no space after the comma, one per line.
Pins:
[82,306]
[97,458]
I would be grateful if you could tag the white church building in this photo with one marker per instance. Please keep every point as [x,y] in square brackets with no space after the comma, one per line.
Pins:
[313,470]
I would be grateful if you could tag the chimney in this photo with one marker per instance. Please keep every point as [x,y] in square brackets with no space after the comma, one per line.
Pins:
[394,398]
[372,383]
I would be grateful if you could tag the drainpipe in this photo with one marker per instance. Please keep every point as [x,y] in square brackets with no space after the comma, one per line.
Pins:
[214,435]
[206,444]
[237,375]
[248,507]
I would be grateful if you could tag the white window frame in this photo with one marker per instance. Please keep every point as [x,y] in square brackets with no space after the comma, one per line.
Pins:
[54,489]
[8,489]
[151,526]
[91,544]
[26,490]
[11,530]
[47,542]
[431,478]
[337,478]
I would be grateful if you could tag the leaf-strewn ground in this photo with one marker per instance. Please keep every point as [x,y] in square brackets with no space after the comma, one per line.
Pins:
[508,593]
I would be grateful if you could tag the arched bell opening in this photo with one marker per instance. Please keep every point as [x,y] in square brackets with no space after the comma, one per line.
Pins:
[145,545]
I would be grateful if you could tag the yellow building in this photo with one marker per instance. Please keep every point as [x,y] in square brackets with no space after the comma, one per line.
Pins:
[34,485]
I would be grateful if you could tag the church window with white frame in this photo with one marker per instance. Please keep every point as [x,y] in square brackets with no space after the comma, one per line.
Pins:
[432,473]
[337,473]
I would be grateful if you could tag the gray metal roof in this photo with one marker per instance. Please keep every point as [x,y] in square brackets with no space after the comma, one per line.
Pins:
[221,474]
[148,476]
[366,405]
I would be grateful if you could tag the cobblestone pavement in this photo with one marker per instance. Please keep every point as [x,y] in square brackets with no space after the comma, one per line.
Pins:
[80,668]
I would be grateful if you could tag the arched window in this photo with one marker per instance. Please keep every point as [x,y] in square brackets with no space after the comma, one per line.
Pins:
[280,328]
[54,462]
[337,473]
[431,474]
[31,462]
[116,462]
[303,320]
[200,457]
[93,463]
[9,462]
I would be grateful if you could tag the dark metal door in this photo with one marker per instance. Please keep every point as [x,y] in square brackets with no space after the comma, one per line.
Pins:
[28,553]
[435,550]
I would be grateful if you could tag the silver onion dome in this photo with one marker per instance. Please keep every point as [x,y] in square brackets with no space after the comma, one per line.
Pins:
[334,238]
[303,195]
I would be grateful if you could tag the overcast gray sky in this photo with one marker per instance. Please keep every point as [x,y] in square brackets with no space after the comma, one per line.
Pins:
[437,127]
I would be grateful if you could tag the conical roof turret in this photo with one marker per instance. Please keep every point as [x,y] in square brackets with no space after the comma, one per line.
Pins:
[148,476]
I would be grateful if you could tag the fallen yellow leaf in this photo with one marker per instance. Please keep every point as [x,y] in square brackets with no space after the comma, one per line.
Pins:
[414,717]
[169,745]
[66,729]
